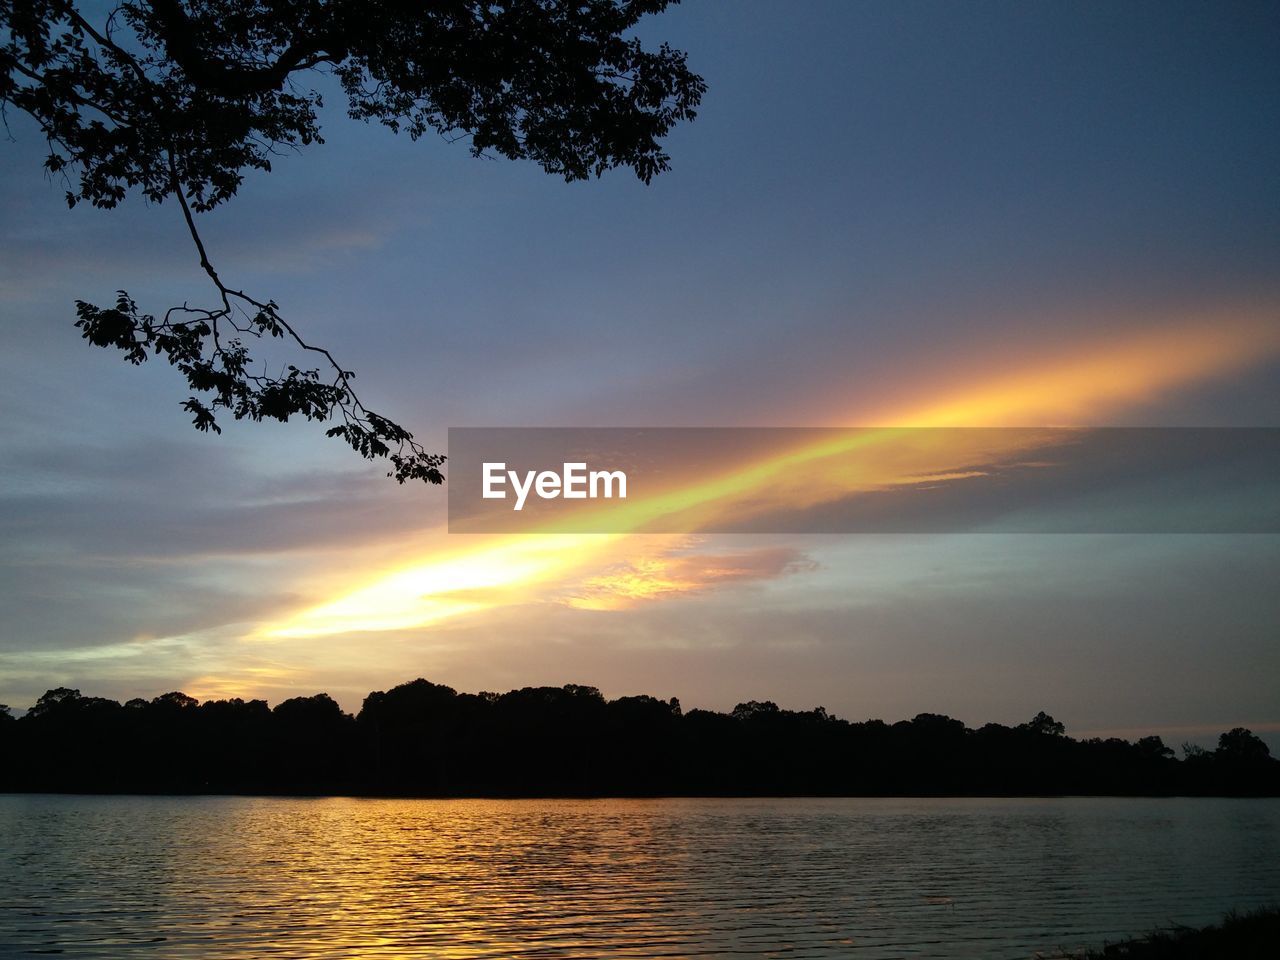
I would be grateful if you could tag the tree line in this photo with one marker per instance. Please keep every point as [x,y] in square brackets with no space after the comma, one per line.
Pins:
[426,739]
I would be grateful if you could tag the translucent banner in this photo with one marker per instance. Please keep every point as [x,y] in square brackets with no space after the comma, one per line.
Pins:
[864,480]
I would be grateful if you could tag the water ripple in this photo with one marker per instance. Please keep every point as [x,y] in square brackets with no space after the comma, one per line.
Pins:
[232,877]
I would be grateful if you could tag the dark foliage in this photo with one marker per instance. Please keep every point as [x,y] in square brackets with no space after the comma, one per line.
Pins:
[176,99]
[425,739]
[1248,936]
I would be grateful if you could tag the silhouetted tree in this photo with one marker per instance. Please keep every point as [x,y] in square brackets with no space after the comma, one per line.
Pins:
[1154,748]
[1044,724]
[176,99]
[313,738]
[175,700]
[754,709]
[422,738]
[52,700]
[8,727]
[1243,746]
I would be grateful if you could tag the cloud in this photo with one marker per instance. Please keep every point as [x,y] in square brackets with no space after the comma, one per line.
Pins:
[667,576]
[45,247]
[149,499]
[69,602]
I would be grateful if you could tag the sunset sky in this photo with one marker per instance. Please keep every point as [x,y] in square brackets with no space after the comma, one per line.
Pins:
[917,214]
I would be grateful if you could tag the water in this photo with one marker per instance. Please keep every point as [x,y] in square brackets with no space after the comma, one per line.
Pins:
[229,877]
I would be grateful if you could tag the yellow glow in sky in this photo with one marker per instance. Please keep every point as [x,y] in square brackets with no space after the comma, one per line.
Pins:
[473,574]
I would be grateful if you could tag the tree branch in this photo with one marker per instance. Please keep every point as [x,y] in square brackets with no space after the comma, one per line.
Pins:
[234,80]
[369,433]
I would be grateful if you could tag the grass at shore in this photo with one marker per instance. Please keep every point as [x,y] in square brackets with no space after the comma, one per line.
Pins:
[1240,936]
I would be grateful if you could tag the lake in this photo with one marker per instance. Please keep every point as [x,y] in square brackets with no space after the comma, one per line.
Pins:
[224,877]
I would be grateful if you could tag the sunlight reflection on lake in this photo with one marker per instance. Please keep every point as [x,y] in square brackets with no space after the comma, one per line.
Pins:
[224,877]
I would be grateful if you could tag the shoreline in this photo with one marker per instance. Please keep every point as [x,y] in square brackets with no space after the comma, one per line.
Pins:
[1251,935]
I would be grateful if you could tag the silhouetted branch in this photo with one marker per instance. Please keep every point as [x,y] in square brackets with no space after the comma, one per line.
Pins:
[199,93]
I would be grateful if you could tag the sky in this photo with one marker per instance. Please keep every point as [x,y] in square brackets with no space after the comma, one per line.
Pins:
[1022,214]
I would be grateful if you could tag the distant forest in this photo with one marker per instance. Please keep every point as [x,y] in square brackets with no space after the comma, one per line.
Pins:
[424,739]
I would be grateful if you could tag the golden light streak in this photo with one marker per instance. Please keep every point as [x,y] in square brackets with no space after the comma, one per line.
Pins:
[426,593]
[1105,380]
[470,577]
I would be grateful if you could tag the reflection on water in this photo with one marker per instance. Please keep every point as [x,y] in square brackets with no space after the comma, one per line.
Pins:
[253,877]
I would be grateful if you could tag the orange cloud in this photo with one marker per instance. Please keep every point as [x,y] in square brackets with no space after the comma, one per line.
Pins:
[668,575]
